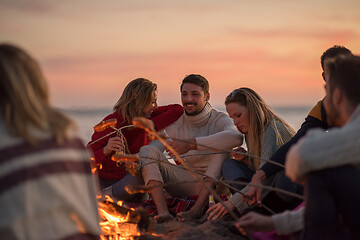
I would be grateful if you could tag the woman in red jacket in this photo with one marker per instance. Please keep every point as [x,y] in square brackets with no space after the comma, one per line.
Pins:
[138,100]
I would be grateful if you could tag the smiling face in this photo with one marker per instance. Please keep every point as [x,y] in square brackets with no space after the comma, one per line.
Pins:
[148,110]
[239,115]
[193,98]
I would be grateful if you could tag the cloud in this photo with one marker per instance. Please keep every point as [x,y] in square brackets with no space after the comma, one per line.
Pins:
[313,34]
[106,75]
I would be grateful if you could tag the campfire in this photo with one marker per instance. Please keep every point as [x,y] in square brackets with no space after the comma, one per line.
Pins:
[120,223]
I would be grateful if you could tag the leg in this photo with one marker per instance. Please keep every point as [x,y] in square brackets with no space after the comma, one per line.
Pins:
[118,188]
[320,214]
[213,170]
[346,189]
[280,201]
[160,202]
[197,210]
[234,170]
[331,193]
[155,173]
[284,183]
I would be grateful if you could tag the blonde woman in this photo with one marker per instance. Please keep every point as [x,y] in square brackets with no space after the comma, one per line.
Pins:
[46,185]
[264,133]
[139,99]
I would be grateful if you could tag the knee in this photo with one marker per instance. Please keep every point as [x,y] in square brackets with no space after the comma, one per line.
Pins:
[228,163]
[228,166]
[149,154]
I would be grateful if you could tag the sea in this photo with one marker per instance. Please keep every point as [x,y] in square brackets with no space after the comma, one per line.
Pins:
[87,118]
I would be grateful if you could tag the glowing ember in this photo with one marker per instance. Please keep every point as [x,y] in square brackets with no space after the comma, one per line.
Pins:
[117,225]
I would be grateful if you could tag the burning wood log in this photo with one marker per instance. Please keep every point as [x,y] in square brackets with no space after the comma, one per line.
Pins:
[118,221]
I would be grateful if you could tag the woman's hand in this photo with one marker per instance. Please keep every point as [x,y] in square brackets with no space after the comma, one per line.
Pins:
[114,144]
[219,211]
[240,157]
[253,196]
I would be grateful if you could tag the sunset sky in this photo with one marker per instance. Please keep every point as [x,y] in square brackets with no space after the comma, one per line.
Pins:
[90,49]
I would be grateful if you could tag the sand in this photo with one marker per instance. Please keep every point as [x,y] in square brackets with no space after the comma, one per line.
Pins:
[194,230]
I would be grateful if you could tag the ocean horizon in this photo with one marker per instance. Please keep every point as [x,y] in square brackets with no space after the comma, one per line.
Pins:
[87,118]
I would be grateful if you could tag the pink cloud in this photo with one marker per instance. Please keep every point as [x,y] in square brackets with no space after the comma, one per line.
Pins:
[105,76]
[313,34]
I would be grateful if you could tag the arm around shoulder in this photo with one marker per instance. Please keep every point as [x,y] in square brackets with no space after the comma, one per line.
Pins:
[163,116]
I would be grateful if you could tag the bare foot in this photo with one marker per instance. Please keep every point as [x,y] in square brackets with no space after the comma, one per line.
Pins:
[188,215]
[161,218]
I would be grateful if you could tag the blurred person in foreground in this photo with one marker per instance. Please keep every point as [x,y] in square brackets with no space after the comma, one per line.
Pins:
[46,187]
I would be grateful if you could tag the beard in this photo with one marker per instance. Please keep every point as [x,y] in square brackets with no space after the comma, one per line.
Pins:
[195,110]
[332,114]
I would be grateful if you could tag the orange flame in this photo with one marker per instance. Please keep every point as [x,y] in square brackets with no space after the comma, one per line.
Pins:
[114,226]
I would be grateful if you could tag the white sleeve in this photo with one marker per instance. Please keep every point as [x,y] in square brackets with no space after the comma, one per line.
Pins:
[227,136]
[319,150]
[289,221]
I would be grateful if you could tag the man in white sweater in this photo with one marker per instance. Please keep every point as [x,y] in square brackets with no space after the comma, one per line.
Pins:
[201,126]
[327,160]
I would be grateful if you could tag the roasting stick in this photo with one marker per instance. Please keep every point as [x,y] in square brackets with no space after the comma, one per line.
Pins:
[112,122]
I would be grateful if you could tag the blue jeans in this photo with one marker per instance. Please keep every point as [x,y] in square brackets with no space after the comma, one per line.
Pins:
[118,187]
[234,170]
[286,184]
[333,194]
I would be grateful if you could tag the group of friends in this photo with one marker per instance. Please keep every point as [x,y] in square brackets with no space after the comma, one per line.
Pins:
[47,181]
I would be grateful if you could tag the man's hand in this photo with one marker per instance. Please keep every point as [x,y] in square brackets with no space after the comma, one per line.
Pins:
[219,211]
[114,144]
[254,222]
[254,194]
[182,147]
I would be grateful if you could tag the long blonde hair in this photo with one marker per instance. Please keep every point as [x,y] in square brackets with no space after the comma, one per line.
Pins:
[136,96]
[24,99]
[260,115]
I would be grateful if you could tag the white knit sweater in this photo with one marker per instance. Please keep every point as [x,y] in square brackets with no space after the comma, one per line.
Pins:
[319,149]
[211,128]
[289,222]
